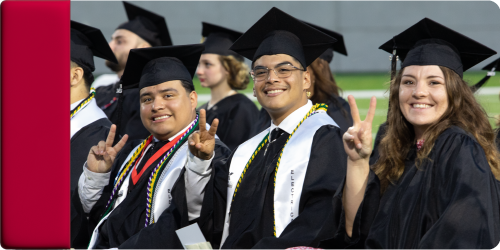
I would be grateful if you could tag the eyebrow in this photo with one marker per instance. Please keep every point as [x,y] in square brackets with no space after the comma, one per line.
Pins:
[161,91]
[427,77]
[277,65]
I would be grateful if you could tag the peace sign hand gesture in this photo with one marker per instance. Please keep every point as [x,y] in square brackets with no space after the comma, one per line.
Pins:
[102,156]
[358,138]
[202,142]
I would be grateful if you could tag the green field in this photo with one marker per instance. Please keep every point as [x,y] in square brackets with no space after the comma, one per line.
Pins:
[379,81]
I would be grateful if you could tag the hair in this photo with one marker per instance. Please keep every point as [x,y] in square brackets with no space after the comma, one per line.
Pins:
[463,111]
[325,87]
[239,76]
[497,117]
[187,86]
[87,81]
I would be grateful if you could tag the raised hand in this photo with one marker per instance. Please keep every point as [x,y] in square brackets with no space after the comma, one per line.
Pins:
[102,156]
[358,138]
[202,142]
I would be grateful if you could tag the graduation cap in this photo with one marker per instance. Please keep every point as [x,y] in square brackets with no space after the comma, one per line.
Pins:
[147,25]
[339,46]
[87,42]
[279,33]
[152,66]
[219,39]
[430,43]
[492,67]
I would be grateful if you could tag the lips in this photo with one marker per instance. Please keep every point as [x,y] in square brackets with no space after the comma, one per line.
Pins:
[274,92]
[160,118]
[420,106]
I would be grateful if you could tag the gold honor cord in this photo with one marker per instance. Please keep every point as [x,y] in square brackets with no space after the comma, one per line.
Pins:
[312,111]
[84,103]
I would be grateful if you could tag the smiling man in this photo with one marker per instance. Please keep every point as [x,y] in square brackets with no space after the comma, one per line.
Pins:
[143,30]
[277,190]
[124,193]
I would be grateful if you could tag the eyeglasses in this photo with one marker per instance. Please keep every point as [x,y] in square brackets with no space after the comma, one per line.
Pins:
[282,71]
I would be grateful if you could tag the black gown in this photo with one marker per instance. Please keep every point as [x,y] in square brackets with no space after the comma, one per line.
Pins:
[237,116]
[378,138]
[450,201]
[131,122]
[252,213]
[341,117]
[128,217]
[81,142]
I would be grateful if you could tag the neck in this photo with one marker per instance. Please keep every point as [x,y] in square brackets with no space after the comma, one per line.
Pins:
[278,116]
[219,92]
[419,132]
[77,94]
[120,73]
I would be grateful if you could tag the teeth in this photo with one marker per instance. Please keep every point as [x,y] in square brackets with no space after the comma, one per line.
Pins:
[162,117]
[275,91]
[421,106]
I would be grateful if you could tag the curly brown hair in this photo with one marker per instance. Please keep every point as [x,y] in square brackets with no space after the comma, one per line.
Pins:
[463,111]
[239,73]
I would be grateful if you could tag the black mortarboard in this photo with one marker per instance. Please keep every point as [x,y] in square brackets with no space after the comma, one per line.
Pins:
[147,25]
[339,46]
[87,42]
[493,66]
[151,66]
[218,40]
[430,43]
[279,33]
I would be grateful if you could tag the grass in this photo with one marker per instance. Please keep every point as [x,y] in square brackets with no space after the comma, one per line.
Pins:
[379,81]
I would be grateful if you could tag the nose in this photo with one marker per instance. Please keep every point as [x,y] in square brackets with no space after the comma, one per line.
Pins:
[199,70]
[112,45]
[272,76]
[421,90]
[158,104]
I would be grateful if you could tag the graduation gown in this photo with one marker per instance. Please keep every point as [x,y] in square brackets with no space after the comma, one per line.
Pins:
[237,116]
[450,201]
[88,127]
[128,218]
[378,138]
[343,120]
[131,122]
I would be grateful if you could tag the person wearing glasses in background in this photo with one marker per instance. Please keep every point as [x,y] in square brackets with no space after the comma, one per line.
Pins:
[224,72]
[276,189]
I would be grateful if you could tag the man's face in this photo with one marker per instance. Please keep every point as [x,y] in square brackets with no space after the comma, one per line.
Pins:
[122,41]
[166,108]
[281,94]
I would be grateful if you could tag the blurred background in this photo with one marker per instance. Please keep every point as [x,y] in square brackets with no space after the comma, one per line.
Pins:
[364,25]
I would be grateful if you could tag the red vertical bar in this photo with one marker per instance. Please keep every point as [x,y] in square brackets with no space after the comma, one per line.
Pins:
[35,124]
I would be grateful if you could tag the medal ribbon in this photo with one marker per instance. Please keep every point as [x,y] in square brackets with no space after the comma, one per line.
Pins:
[135,176]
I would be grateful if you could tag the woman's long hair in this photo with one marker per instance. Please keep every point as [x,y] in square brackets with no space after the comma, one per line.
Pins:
[239,76]
[463,111]
[325,87]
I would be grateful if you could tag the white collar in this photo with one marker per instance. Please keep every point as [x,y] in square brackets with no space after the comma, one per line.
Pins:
[293,119]
[173,137]
[74,105]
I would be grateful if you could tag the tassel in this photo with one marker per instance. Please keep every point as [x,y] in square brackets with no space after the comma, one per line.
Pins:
[117,117]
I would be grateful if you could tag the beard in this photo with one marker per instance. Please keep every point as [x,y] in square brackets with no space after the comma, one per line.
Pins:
[115,67]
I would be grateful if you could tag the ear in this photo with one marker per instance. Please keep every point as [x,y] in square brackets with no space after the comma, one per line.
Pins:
[254,94]
[193,96]
[306,80]
[76,76]
[143,45]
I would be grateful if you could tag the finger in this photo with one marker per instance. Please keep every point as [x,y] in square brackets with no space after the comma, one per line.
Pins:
[347,137]
[101,146]
[354,110]
[111,136]
[196,139]
[213,127]
[121,143]
[203,121]
[107,158]
[371,110]
[356,140]
[94,150]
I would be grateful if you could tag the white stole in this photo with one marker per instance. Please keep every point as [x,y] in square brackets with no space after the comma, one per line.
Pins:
[291,172]
[166,181]
[86,116]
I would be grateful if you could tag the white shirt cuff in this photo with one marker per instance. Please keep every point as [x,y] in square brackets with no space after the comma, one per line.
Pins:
[199,166]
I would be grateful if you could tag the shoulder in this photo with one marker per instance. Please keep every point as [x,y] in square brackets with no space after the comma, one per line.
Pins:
[455,134]
[240,99]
